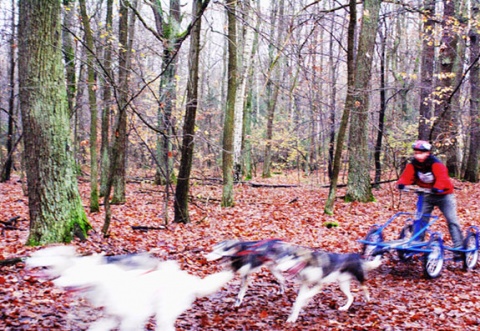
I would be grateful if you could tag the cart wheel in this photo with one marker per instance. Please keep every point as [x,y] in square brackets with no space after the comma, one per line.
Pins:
[369,250]
[433,261]
[407,232]
[470,258]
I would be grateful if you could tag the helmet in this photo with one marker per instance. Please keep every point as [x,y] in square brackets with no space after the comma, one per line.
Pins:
[422,145]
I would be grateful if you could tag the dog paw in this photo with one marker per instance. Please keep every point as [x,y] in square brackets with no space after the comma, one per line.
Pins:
[291,319]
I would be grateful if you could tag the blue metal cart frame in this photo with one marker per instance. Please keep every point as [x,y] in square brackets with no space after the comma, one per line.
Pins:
[411,240]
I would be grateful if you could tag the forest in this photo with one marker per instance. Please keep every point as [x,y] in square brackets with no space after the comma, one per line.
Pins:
[166,126]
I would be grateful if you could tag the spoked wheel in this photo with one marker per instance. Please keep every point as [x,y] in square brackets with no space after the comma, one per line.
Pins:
[470,258]
[406,233]
[433,260]
[373,236]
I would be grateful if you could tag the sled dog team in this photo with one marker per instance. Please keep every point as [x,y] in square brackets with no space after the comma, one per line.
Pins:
[134,287]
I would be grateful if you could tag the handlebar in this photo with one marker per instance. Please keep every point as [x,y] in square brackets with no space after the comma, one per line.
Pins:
[416,189]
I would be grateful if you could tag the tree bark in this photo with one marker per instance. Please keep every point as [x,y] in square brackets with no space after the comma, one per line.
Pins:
[426,71]
[358,184]
[55,207]
[445,129]
[227,153]
[472,164]
[107,101]
[7,169]
[168,30]
[243,71]
[272,83]
[381,115]
[342,131]
[69,53]
[92,102]
[121,127]
[183,181]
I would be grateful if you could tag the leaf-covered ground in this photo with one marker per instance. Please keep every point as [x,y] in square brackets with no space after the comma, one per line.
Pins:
[402,299]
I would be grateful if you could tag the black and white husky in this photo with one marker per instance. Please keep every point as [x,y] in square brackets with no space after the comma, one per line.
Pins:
[315,268]
[245,257]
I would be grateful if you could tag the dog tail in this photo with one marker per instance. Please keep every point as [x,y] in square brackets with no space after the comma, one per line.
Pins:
[373,264]
[213,283]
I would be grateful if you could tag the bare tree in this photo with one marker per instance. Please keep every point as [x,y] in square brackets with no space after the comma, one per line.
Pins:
[342,131]
[227,153]
[92,102]
[472,163]
[125,39]
[358,185]
[7,169]
[426,74]
[168,29]
[107,102]
[445,128]
[245,52]
[273,80]
[183,182]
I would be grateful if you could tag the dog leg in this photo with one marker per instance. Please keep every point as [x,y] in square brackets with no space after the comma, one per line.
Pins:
[104,324]
[345,288]
[242,291]
[132,323]
[280,279]
[366,293]
[304,294]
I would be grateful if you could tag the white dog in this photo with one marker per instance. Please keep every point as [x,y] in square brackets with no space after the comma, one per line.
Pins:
[129,289]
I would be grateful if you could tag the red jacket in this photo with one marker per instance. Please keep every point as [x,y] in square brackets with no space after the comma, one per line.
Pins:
[428,174]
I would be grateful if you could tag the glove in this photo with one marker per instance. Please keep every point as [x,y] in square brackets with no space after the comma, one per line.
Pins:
[436,190]
[401,187]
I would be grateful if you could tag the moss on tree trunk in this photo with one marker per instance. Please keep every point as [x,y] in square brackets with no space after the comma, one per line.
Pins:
[56,210]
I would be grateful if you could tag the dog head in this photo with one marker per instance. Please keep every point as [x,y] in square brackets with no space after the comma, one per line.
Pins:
[294,259]
[52,260]
[222,249]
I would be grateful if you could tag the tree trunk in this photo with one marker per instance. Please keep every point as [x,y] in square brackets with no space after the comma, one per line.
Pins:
[471,170]
[358,185]
[107,101]
[445,130]
[7,169]
[342,131]
[272,84]
[168,29]
[333,64]
[381,115]
[92,101]
[426,71]
[56,211]
[121,127]
[227,153]
[69,53]
[243,71]
[183,181]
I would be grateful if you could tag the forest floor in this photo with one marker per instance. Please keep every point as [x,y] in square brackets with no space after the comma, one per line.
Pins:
[402,299]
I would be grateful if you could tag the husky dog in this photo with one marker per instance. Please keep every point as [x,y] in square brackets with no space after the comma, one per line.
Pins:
[314,268]
[245,257]
[130,288]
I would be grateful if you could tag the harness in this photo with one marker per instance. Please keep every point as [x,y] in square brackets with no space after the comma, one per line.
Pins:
[423,170]
[256,247]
